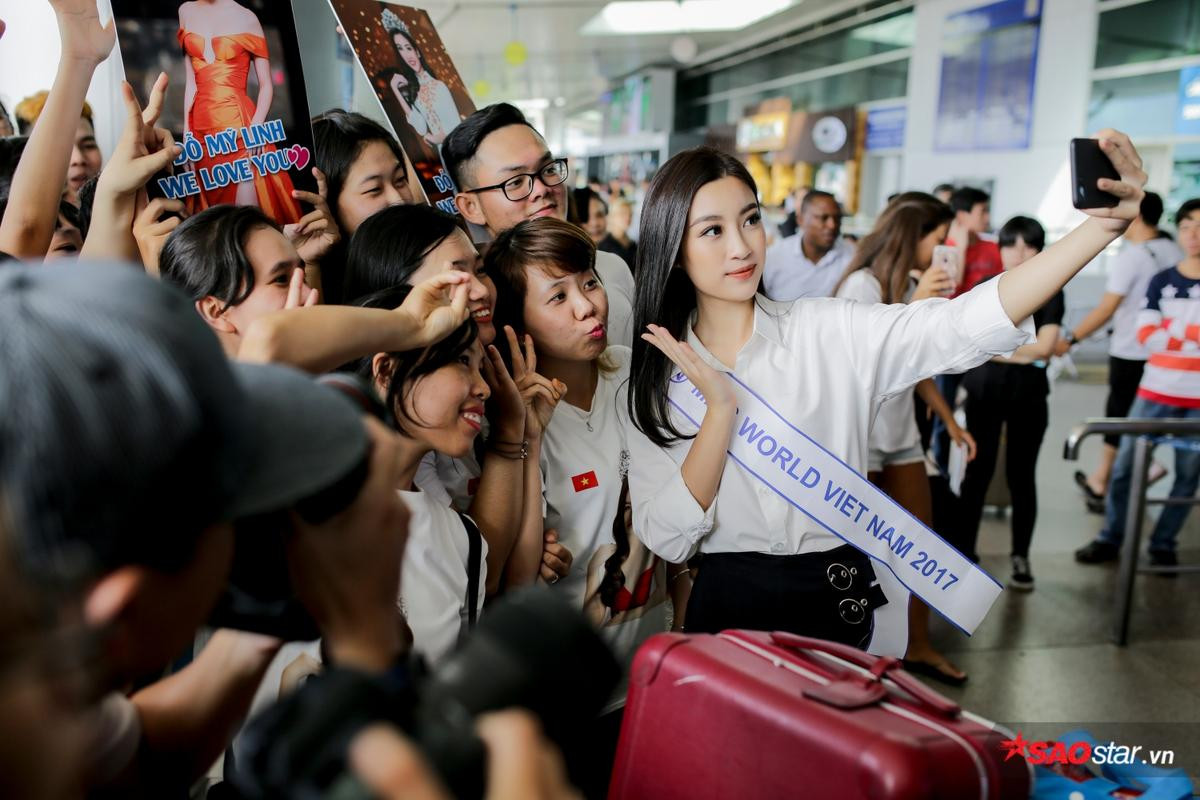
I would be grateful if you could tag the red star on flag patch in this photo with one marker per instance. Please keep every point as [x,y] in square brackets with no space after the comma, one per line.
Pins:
[585,481]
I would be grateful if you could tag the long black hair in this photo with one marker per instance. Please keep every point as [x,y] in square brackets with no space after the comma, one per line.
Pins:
[665,295]
[390,245]
[338,139]
[410,364]
[614,577]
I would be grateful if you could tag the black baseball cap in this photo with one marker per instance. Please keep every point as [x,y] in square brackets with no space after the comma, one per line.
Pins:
[125,431]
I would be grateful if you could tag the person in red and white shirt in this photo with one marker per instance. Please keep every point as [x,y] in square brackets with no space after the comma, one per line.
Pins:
[1147,252]
[1168,326]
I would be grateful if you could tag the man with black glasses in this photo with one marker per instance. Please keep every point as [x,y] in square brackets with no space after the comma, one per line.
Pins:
[505,173]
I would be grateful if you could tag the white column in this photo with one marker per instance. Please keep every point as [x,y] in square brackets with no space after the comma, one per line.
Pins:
[1033,181]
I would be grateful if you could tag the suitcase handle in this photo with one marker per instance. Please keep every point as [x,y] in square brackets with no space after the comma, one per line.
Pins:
[878,666]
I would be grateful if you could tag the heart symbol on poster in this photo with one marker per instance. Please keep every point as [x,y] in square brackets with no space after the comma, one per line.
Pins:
[300,156]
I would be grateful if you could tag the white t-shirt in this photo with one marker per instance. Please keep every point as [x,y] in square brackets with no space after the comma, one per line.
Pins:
[618,285]
[1132,270]
[453,481]
[895,425]
[433,577]
[583,483]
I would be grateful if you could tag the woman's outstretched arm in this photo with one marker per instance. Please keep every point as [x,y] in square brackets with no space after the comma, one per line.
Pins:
[1028,287]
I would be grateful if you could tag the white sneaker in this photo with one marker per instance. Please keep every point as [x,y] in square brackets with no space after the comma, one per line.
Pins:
[1022,576]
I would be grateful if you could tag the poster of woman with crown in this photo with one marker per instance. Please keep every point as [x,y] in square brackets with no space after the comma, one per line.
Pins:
[416,82]
[427,103]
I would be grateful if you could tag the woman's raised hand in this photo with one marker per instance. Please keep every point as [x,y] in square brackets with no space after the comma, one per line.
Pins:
[436,306]
[556,558]
[1128,164]
[299,294]
[539,394]
[316,233]
[716,388]
[141,151]
[152,111]
[934,282]
[153,223]
[398,82]
[83,37]
[511,419]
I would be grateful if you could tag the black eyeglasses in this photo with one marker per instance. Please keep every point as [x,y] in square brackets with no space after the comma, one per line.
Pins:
[518,187]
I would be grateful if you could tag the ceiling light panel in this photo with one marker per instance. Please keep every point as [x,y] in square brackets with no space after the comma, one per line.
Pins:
[627,17]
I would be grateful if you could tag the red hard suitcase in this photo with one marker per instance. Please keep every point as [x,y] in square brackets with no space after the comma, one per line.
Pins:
[749,714]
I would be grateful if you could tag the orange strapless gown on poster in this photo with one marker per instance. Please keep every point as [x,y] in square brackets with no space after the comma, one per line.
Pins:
[221,102]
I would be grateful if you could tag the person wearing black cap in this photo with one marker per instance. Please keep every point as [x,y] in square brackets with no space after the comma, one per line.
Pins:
[128,446]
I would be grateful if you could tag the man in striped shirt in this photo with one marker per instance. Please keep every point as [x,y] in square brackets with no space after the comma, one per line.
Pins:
[1168,326]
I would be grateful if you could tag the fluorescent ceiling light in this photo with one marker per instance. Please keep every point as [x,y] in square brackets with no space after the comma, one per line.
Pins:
[532,104]
[667,16]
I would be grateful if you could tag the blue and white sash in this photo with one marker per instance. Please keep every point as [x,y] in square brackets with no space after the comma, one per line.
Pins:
[822,486]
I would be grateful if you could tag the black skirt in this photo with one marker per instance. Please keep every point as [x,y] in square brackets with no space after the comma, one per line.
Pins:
[825,595]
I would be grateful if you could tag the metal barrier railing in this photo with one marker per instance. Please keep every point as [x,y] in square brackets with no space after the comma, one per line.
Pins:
[1149,433]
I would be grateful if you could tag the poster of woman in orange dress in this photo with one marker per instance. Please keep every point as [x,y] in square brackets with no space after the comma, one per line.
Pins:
[235,100]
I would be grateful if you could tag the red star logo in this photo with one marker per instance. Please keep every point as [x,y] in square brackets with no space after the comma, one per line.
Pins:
[1015,747]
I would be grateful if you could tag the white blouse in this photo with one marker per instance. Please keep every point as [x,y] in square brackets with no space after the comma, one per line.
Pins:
[826,364]
[895,425]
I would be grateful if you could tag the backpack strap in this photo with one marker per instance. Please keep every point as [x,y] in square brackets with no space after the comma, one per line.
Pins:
[474,567]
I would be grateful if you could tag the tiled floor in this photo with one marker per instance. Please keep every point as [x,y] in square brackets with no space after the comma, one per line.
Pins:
[1043,662]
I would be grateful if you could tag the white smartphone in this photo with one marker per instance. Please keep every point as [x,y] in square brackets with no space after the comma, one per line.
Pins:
[947,258]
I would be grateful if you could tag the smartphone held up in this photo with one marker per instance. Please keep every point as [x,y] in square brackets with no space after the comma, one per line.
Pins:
[1088,165]
[948,258]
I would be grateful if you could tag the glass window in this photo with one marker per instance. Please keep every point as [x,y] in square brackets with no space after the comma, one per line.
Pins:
[1141,106]
[874,83]
[880,36]
[1148,32]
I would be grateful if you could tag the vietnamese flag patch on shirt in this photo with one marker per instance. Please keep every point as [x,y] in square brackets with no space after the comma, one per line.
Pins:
[585,481]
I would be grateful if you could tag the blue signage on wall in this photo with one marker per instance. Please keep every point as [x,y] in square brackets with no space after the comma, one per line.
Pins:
[885,127]
[989,62]
[1187,120]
